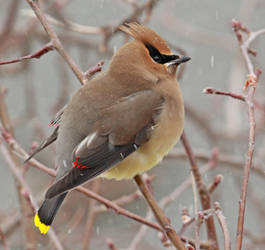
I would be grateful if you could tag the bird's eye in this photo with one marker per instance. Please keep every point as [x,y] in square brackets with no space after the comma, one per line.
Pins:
[154,53]
[158,57]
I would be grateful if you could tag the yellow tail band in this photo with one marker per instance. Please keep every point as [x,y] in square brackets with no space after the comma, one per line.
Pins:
[42,227]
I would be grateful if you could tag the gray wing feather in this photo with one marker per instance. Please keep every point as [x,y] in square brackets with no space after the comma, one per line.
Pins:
[127,123]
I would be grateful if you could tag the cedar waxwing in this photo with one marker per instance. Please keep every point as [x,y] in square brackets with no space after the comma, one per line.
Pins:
[121,123]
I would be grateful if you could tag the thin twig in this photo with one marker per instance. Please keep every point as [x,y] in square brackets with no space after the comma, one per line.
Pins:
[122,201]
[202,189]
[159,214]
[197,214]
[55,40]
[199,222]
[26,192]
[186,220]
[224,160]
[251,83]
[222,222]
[217,92]
[45,49]
[70,26]
[25,207]
[94,69]
[163,203]
[216,181]
[91,216]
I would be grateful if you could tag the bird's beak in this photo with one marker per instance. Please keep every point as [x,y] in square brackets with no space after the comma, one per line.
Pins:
[179,60]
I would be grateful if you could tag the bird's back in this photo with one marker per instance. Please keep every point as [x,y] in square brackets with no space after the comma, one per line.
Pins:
[86,111]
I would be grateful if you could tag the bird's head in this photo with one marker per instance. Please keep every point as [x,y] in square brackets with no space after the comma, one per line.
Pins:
[148,51]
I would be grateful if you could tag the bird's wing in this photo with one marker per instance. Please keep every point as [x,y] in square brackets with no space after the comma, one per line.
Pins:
[56,120]
[44,144]
[52,138]
[123,128]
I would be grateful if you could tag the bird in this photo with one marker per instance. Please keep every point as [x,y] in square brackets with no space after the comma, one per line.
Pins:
[120,123]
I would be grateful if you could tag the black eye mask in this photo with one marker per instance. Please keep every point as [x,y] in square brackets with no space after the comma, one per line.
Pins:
[158,57]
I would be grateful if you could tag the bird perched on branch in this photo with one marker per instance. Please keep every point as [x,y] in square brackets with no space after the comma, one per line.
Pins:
[121,123]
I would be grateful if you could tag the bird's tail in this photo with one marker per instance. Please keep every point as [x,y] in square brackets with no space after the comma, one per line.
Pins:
[46,213]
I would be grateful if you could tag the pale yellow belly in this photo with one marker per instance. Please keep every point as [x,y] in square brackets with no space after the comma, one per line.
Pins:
[164,137]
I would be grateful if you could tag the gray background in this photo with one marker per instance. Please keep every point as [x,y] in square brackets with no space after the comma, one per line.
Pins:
[203,29]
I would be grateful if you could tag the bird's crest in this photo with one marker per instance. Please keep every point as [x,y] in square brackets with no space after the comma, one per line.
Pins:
[146,36]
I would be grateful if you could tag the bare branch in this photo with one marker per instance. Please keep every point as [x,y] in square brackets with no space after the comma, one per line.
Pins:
[48,47]
[202,189]
[91,216]
[222,222]
[159,214]
[226,160]
[55,40]
[217,92]
[217,180]
[251,83]
[26,192]
[93,70]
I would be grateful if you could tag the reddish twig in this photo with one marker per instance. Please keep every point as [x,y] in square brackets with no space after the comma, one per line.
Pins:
[217,92]
[222,222]
[27,203]
[251,84]
[68,25]
[199,222]
[34,4]
[224,160]
[159,214]
[48,47]
[122,201]
[202,189]
[91,216]
[217,180]
[24,205]
[118,209]
[110,244]
[163,203]
[107,31]
[94,69]
[190,244]
[26,192]
[186,220]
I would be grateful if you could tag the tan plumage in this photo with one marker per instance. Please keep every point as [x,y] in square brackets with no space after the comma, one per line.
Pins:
[123,122]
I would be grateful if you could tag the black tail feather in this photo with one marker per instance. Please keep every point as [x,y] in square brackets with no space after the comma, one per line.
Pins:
[49,208]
